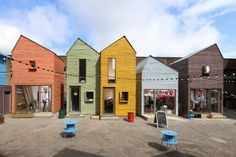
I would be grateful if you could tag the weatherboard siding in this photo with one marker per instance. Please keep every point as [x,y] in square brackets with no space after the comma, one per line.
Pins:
[81,50]
[156,75]
[125,57]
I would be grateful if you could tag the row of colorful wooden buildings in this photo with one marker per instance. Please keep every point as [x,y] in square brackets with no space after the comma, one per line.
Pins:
[110,83]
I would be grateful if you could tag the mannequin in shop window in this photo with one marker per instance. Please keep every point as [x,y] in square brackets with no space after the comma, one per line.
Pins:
[44,96]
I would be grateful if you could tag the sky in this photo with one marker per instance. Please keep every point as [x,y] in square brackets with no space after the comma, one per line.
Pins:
[161,28]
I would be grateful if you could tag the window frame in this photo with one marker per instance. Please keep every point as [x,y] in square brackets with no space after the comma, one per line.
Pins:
[82,80]
[124,100]
[86,98]
[111,80]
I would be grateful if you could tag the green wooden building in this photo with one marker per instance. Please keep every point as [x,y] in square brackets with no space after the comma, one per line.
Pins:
[82,79]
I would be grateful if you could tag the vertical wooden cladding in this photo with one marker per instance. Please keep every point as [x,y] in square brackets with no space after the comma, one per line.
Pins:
[125,57]
[82,51]
[27,50]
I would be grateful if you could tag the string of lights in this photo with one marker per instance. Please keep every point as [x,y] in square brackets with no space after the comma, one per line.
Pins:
[228,78]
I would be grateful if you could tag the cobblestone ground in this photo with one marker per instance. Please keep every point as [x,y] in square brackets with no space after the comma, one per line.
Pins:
[43,137]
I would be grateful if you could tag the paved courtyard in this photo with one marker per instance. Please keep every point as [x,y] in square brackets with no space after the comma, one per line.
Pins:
[43,137]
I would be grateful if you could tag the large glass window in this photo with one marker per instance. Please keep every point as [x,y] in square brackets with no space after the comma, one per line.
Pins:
[111,70]
[82,70]
[165,97]
[198,100]
[204,100]
[30,99]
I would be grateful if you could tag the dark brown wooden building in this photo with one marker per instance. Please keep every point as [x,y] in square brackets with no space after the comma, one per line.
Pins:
[201,81]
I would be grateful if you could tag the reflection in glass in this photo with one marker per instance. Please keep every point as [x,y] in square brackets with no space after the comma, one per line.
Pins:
[30,99]
[111,70]
[149,101]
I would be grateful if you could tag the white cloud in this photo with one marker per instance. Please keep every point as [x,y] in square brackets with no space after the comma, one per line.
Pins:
[160,28]
[8,36]
[43,24]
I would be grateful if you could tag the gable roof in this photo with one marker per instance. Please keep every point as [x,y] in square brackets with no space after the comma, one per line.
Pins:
[22,36]
[142,64]
[79,39]
[123,37]
[197,52]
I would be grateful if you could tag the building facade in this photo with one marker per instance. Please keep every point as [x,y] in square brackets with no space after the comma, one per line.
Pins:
[157,85]
[118,79]
[82,79]
[201,81]
[37,78]
[5,90]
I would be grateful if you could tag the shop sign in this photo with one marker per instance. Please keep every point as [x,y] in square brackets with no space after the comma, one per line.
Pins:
[164,93]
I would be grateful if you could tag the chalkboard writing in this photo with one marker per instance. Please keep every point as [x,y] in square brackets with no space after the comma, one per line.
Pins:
[160,119]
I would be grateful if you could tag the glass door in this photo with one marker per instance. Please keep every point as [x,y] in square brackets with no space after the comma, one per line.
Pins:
[149,101]
[214,100]
[109,100]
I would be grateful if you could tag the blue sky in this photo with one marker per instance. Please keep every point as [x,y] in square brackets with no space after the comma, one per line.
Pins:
[154,27]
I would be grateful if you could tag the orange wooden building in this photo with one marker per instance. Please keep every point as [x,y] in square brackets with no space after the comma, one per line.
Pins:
[37,78]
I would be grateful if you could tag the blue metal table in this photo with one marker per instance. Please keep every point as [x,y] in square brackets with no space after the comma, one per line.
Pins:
[70,127]
[169,138]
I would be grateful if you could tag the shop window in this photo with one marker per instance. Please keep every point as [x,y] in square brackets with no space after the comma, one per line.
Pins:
[124,96]
[82,70]
[111,70]
[89,96]
[206,70]
[32,66]
[30,99]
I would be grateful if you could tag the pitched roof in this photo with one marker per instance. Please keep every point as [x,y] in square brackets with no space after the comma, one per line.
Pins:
[79,39]
[22,36]
[123,37]
[195,53]
[142,64]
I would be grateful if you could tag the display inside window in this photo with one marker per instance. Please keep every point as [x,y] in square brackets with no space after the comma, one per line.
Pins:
[32,66]
[82,70]
[206,70]
[30,99]
[89,96]
[124,96]
[165,97]
[198,100]
[111,70]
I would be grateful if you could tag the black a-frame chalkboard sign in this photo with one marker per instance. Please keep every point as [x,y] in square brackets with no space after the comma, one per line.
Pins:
[160,119]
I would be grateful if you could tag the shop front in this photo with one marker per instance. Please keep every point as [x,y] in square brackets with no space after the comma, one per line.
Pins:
[157,87]
[201,81]
[205,100]
[37,79]
[31,99]
[156,99]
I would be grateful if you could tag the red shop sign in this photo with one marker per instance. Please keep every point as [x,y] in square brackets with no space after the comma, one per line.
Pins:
[162,93]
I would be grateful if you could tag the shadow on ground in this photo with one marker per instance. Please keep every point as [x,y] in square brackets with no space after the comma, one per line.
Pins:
[74,153]
[68,135]
[152,124]
[157,146]
[174,154]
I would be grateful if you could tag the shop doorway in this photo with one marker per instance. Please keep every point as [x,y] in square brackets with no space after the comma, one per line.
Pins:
[149,101]
[214,100]
[109,100]
[75,98]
